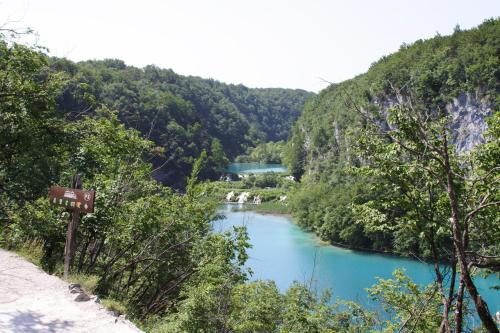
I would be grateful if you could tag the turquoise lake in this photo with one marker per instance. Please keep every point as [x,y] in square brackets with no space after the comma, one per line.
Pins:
[254,168]
[284,253]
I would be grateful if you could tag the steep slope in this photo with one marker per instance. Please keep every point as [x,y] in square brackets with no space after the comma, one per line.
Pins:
[458,73]
[182,114]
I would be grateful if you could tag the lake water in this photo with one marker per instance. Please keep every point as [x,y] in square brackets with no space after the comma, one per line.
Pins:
[284,253]
[255,168]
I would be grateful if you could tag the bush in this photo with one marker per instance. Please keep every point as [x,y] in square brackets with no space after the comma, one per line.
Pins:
[114,306]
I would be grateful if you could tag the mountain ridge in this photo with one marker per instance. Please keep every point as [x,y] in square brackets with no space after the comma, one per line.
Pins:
[182,114]
[459,74]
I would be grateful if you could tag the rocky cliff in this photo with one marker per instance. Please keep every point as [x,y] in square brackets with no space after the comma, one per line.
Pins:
[459,73]
[469,113]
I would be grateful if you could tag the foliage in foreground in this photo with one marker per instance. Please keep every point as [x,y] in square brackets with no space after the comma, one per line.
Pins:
[322,149]
[259,307]
[390,160]
[149,251]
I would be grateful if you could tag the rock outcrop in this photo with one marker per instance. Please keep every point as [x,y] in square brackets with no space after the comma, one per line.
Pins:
[469,115]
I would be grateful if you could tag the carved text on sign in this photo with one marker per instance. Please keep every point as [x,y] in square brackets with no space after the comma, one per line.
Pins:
[73,199]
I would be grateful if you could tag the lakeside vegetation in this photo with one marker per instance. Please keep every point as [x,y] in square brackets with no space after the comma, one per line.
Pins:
[183,115]
[397,159]
[269,152]
[328,144]
[270,189]
[146,249]
[149,250]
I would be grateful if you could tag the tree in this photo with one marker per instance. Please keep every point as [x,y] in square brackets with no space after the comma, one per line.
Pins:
[416,138]
[257,307]
[410,308]
[294,154]
[32,134]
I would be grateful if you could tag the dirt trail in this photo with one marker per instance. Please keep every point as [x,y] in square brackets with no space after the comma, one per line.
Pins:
[33,301]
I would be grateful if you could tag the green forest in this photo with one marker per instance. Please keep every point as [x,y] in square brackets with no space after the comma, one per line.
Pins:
[382,163]
[183,115]
[332,144]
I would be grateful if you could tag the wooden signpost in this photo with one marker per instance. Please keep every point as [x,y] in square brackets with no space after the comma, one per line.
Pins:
[76,201]
[72,198]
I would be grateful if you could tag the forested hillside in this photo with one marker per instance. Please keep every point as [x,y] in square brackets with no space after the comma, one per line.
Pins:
[457,74]
[405,158]
[182,114]
[146,250]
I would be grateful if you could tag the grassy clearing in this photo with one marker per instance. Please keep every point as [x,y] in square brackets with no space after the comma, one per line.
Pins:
[270,197]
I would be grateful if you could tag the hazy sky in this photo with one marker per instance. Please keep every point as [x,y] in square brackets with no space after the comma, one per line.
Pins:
[259,43]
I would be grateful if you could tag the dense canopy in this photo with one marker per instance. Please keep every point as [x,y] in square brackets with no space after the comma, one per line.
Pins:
[182,114]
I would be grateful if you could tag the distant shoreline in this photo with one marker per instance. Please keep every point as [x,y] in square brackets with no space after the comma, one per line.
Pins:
[255,208]
[321,242]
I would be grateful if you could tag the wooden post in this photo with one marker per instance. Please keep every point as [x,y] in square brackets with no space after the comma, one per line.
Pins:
[69,248]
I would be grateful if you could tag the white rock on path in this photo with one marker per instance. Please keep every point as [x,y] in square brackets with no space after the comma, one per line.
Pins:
[34,301]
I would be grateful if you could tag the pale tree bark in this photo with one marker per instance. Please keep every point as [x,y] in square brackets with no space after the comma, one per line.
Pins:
[480,304]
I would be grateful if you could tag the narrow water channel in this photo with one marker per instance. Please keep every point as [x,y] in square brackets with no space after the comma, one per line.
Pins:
[284,253]
[255,168]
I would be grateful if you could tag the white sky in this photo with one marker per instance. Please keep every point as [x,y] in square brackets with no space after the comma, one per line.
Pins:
[259,43]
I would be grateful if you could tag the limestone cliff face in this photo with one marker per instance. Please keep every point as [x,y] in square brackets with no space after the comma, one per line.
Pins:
[469,115]
[468,112]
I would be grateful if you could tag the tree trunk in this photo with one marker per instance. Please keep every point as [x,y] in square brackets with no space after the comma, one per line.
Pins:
[445,324]
[460,306]
[69,247]
[452,281]
[83,254]
[480,304]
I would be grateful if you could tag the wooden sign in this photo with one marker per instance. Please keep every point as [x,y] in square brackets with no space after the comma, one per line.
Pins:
[72,198]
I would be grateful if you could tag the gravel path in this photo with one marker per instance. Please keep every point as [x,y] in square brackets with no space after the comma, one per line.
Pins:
[34,301]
